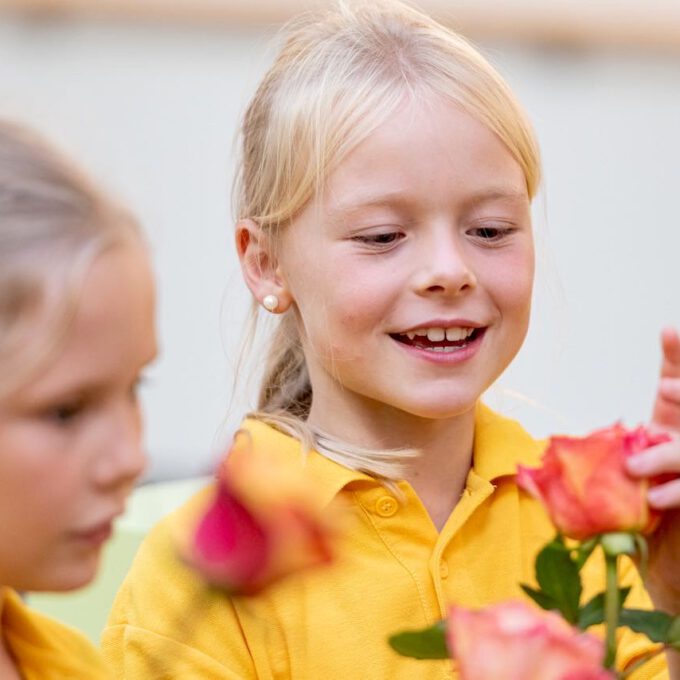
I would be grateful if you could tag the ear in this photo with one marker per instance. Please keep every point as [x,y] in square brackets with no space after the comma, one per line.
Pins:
[259,266]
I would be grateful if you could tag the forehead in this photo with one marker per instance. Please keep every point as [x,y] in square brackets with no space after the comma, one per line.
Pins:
[112,329]
[429,147]
[113,290]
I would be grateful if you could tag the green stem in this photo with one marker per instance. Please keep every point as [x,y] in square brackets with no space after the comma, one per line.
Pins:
[611,609]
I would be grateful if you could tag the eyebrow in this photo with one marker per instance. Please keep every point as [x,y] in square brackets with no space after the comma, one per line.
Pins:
[496,194]
[386,200]
[400,198]
[87,387]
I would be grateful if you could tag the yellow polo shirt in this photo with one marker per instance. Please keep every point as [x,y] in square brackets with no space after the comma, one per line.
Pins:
[45,649]
[395,572]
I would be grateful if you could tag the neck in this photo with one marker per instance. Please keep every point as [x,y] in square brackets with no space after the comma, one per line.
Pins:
[437,474]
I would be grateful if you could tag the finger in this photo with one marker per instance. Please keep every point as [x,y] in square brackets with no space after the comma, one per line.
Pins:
[656,460]
[669,389]
[670,346]
[666,412]
[665,495]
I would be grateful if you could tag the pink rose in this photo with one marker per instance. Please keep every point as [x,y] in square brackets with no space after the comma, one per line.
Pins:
[265,522]
[585,487]
[514,641]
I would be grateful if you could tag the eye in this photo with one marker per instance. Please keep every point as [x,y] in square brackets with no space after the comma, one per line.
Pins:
[379,239]
[492,233]
[63,414]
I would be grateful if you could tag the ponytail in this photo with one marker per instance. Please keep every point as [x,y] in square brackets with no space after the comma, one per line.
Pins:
[285,385]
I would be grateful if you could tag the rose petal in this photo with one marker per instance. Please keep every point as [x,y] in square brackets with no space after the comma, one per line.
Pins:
[230,547]
[584,485]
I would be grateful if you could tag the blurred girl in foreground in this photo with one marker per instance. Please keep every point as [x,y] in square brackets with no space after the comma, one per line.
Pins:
[76,329]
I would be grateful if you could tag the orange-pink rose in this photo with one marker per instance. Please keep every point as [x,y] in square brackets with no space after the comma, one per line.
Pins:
[585,487]
[266,521]
[514,641]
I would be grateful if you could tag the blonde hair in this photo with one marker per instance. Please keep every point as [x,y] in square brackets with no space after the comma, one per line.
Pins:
[53,223]
[338,76]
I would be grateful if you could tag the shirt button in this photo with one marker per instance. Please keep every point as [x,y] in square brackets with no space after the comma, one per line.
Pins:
[386,506]
[443,569]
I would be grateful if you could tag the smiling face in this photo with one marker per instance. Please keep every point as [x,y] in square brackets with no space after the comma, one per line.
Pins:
[412,274]
[70,448]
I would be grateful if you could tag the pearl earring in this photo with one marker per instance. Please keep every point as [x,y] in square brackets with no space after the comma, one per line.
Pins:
[270,303]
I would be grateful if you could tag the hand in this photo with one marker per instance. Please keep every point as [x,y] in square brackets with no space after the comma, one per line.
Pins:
[663,576]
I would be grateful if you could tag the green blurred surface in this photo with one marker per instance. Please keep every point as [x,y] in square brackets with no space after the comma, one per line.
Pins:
[87,609]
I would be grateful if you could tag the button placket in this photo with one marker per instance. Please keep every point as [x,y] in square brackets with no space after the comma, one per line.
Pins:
[443,569]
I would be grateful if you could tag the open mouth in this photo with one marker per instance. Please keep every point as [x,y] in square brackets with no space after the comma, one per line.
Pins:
[445,340]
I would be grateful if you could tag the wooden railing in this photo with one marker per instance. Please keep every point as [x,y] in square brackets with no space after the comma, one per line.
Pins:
[653,24]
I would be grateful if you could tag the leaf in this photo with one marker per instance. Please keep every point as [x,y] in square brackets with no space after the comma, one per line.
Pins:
[428,643]
[655,625]
[558,575]
[584,550]
[543,600]
[559,541]
[592,612]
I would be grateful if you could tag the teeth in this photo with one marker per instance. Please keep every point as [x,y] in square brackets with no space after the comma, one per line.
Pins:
[456,334]
[436,334]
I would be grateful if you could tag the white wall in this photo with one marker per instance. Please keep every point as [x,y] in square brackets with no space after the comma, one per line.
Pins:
[152,113]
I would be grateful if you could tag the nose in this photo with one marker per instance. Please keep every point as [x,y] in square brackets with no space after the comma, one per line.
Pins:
[122,460]
[445,267]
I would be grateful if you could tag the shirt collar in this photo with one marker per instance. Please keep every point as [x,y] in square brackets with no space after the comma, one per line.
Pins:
[501,444]
[331,476]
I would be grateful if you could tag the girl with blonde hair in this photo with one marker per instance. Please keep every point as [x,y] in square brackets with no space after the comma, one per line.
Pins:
[76,329]
[384,197]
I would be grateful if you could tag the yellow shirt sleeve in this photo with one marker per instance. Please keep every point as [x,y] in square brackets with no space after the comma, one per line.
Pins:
[45,649]
[164,621]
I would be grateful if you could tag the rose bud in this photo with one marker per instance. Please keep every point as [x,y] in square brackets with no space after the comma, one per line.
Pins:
[514,641]
[585,487]
[266,521]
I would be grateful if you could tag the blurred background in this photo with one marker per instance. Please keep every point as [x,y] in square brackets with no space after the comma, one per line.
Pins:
[147,95]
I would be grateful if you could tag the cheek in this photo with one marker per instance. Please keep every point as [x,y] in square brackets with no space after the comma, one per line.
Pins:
[339,310]
[39,477]
[333,330]
[513,286]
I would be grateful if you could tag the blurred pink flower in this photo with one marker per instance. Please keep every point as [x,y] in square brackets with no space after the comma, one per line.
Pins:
[265,522]
[514,641]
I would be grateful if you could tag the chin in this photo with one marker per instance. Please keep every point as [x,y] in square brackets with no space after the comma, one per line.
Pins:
[79,575]
[56,577]
[442,408]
